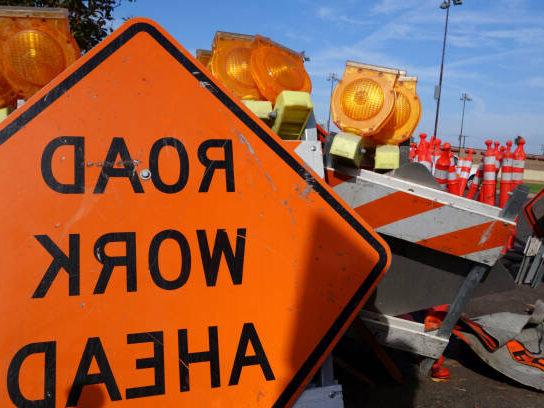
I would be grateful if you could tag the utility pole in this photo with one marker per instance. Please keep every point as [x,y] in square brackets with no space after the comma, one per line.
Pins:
[446,4]
[332,77]
[465,98]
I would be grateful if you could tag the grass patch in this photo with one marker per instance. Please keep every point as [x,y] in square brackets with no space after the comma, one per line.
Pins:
[534,188]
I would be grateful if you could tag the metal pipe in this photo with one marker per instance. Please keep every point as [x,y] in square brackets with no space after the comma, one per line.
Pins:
[464,98]
[441,70]
[331,77]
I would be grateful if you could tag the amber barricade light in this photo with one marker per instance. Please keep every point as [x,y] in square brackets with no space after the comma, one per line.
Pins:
[35,46]
[364,99]
[7,94]
[276,68]
[203,56]
[406,114]
[230,61]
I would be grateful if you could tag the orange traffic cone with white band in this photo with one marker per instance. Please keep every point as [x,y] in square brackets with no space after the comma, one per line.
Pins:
[518,164]
[465,164]
[502,150]
[497,153]
[413,148]
[422,151]
[442,167]
[436,152]
[453,180]
[489,182]
[506,174]
[476,182]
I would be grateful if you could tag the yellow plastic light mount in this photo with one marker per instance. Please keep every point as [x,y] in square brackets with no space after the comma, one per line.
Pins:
[4,112]
[406,114]
[387,157]
[364,99]
[35,46]
[347,148]
[203,56]
[261,109]
[230,63]
[276,68]
[293,109]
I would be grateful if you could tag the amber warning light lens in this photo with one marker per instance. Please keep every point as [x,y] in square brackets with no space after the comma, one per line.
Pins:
[35,46]
[255,67]
[230,60]
[276,69]
[363,100]
[406,114]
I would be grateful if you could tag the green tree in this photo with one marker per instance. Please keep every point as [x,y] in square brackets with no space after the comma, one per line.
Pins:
[90,20]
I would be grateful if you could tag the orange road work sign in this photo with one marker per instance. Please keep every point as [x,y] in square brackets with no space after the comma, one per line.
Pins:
[160,247]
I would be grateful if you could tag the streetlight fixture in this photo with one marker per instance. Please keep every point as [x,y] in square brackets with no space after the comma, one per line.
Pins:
[438,90]
[465,98]
[332,78]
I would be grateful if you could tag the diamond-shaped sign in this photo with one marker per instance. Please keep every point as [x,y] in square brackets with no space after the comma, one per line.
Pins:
[160,246]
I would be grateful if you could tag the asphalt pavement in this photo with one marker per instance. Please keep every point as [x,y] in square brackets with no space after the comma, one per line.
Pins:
[473,384]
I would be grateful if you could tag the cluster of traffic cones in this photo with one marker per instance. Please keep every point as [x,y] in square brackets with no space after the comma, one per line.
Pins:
[499,165]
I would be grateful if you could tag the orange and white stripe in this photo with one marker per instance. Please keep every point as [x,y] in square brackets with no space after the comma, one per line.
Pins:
[423,215]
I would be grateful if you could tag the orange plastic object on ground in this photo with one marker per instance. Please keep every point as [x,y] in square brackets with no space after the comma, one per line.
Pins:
[166,254]
[35,46]
[276,69]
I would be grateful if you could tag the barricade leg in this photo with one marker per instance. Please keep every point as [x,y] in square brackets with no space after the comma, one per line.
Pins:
[463,295]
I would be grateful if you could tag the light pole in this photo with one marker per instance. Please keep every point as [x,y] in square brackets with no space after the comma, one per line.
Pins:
[465,98]
[332,77]
[438,90]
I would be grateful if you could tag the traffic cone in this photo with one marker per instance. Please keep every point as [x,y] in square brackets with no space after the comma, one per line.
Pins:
[453,180]
[501,155]
[465,164]
[476,182]
[422,152]
[489,182]
[413,151]
[436,152]
[498,157]
[518,164]
[443,166]
[497,152]
[429,156]
[506,174]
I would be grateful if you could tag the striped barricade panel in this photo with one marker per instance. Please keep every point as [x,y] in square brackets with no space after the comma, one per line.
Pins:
[423,215]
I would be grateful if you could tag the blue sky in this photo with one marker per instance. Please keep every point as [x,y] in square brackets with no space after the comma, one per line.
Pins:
[495,51]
